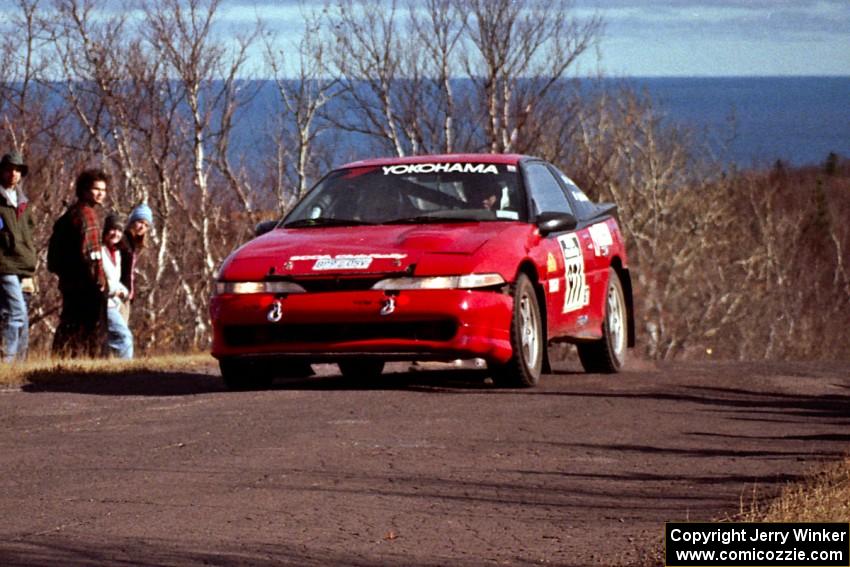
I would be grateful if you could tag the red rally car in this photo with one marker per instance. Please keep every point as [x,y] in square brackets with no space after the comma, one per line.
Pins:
[438,257]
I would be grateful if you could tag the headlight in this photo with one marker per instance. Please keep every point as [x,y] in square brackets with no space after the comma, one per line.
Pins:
[257,287]
[469,281]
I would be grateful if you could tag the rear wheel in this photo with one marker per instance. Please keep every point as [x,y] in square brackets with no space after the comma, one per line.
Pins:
[527,340]
[244,374]
[362,368]
[608,354]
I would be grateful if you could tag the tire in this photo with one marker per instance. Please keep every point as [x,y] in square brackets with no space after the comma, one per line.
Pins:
[524,368]
[244,375]
[361,368]
[608,354]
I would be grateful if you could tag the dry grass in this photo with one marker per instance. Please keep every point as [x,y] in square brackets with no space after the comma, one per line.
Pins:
[20,374]
[824,497]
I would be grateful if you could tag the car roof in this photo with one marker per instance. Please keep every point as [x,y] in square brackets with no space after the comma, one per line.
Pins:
[504,159]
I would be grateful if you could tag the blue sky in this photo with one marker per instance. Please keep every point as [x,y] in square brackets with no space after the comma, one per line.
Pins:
[724,37]
[658,37]
[681,37]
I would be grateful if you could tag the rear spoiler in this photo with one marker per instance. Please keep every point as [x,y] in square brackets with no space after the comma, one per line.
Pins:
[600,212]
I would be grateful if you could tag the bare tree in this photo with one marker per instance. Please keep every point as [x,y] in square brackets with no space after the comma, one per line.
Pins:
[20,72]
[436,27]
[517,53]
[304,96]
[621,152]
[181,33]
[367,63]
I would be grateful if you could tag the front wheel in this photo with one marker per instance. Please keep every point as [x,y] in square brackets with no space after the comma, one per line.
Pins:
[243,375]
[524,368]
[608,354]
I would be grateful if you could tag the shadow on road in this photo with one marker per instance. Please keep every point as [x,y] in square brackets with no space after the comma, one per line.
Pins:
[39,551]
[740,404]
[155,383]
[187,383]
[419,380]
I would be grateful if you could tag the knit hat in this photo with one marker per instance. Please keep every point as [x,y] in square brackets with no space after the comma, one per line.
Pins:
[14,159]
[112,222]
[141,212]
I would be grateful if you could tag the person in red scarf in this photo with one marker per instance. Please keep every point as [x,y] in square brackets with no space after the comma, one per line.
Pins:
[82,326]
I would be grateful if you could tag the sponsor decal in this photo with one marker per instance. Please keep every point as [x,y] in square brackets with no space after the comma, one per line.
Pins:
[577,193]
[567,180]
[551,263]
[344,261]
[554,285]
[348,263]
[577,291]
[408,168]
[373,256]
[601,236]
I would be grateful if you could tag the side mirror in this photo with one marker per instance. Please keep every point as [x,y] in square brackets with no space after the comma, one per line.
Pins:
[264,227]
[555,222]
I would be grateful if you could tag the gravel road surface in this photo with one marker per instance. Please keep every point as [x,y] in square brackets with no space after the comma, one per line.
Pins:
[432,467]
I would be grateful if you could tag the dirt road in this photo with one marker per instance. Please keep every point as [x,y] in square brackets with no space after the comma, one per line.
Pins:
[428,468]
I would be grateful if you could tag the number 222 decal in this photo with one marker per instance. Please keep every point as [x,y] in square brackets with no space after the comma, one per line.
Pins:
[577,293]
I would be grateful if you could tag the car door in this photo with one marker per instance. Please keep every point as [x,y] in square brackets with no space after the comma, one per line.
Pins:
[597,236]
[562,256]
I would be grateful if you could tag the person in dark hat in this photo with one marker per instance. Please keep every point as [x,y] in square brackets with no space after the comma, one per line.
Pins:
[17,258]
[82,328]
[119,338]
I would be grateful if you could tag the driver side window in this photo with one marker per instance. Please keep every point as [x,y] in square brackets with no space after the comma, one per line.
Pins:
[545,191]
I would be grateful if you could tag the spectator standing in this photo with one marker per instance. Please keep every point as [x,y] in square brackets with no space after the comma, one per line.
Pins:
[82,281]
[17,258]
[139,225]
[119,337]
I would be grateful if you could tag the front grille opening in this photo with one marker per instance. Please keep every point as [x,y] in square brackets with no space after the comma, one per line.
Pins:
[320,285]
[246,335]
[339,283]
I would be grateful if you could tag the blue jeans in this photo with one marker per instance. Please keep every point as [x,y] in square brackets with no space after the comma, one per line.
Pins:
[119,337]
[14,319]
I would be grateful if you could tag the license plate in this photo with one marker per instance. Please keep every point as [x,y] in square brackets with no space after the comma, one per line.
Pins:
[353,263]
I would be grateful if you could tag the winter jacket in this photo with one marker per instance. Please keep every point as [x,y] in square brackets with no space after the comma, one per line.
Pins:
[85,268]
[17,247]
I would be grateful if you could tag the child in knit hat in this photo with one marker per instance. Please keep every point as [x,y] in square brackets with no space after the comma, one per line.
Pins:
[141,212]
[139,225]
[119,337]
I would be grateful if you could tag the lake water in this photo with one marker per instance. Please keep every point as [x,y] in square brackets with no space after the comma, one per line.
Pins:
[749,121]
[796,119]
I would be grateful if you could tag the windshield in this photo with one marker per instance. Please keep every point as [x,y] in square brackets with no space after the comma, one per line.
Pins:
[429,192]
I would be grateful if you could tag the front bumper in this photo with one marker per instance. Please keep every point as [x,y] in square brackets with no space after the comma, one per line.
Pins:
[422,325]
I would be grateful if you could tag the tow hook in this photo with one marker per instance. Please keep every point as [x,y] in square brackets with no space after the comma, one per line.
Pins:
[389,306]
[275,313]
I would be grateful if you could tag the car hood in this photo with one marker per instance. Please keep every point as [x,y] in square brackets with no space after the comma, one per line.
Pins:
[356,250]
